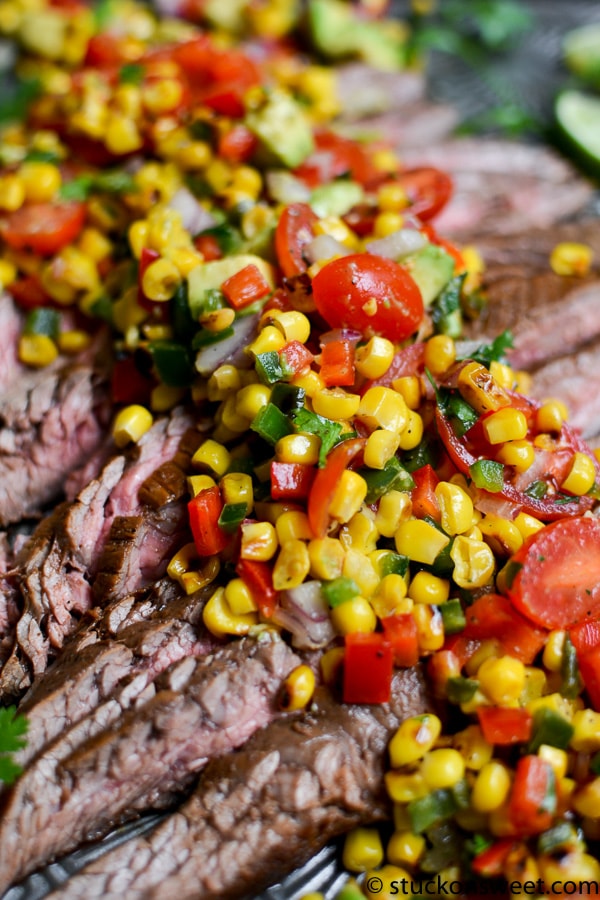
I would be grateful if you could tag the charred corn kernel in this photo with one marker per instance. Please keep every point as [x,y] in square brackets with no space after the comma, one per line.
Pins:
[374,358]
[12,192]
[428,588]
[335,403]
[291,566]
[121,134]
[420,541]
[326,558]
[160,280]
[387,222]
[456,507]
[440,353]
[473,747]
[221,621]
[73,341]
[311,382]
[218,319]
[519,454]
[237,487]
[502,680]
[380,447]
[409,387]
[586,736]
[251,399]
[381,407]
[570,258]
[507,424]
[212,456]
[557,758]
[298,689]
[473,560]
[225,380]
[41,181]
[37,350]
[430,627]
[258,541]
[355,615]
[293,325]
[478,388]
[405,847]
[362,849]
[293,525]
[503,375]
[503,536]
[390,596]
[394,507]
[412,433]
[358,566]
[586,800]
[298,448]
[413,739]
[348,497]
[442,768]
[551,416]
[491,787]
[198,483]
[270,338]
[582,475]
[404,787]
[8,272]
[330,664]
[194,155]
[130,424]
[553,650]
[183,562]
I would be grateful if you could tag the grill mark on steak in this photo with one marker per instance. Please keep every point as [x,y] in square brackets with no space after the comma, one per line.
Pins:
[261,811]
[81,785]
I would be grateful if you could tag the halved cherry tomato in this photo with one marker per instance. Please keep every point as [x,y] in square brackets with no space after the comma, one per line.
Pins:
[326,482]
[428,190]
[294,231]
[557,578]
[368,292]
[492,616]
[585,636]
[44,228]
[334,156]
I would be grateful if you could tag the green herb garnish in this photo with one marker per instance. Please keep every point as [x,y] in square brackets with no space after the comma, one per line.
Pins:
[13,727]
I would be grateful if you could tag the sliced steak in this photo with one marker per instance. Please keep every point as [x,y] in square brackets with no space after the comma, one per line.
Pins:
[78,788]
[259,812]
[533,247]
[11,325]
[50,422]
[415,125]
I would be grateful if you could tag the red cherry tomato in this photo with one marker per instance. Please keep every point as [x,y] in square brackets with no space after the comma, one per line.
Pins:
[368,292]
[294,231]
[428,190]
[334,156]
[326,481]
[44,228]
[557,578]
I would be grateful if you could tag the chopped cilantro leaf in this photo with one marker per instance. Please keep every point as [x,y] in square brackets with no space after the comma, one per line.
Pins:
[13,727]
[494,352]
[328,430]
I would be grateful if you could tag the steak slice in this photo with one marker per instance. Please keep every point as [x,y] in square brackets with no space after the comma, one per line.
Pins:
[79,787]
[11,325]
[261,811]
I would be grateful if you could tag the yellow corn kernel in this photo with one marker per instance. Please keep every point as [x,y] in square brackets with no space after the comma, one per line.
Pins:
[570,867]
[551,416]
[194,155]
[247,181]
[293,325]
[570,258]
[360,533]
[352,616]
[519,454]
[37,350]
[412,433]
[326,558]
[392,197]
[456,507]
[390,596]
[270,338]
[239,597]
[330,664]
[507,424]
[138,236]
[94,244]
[503,375]
[420,541]
[291,566]
[394,507]
[236,487]
[41,181]
[430,627]
[192,579]
[258,541]
[12,192]
[555,702]
[503,536]
[586,736]
[473,747]
[413,739]
[212,456]
[228,417]
[403,787]
[183,258]
[348,497]
[162,95]
[225,380]
[298,448]
[405,847]
[409,387]
[160,280]
[553,650]
[73,341]
[428,588]
[130,424]
[335,403]
[557,758]
[380,447]
[374,358]
[381,407]
[298,689]
[198,483]
[387,222]
[442,768]
[311,382]
[293,525]
[473,560]
[527,524]
[440,353]
[221,621]
[163,397]
[581,477]
[586,800]
[362,850]
[358,566]
[502,680]
[121,134]
[478,388]
[535,685]
[251,399]
[491,787]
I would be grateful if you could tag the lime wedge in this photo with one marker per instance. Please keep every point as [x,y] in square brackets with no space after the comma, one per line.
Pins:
[578,120]
[581,52]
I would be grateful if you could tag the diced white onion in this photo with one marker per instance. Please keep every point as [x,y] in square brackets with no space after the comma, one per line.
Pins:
[397,245]
[324,246]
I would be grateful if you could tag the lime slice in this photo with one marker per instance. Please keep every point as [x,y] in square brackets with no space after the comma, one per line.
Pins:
[581,52]
[578,120]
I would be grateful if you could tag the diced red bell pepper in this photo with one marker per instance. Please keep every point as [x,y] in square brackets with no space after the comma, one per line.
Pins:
[295,357]
[337,363]
[368,667]
[400,632]
[204,510]
[245,286]
[491,862]
[291,481]
[504,725]
[585,636]
[462,646]
[128,384]
[208,246]
[494,616]
[532,800]
[259,580]
[424,501]
[238,144]
[589,668]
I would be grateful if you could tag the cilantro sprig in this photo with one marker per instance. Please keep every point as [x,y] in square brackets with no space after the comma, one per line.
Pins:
[13,728]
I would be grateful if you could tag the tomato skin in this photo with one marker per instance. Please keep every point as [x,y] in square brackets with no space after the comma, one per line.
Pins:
[294,230]
[428,190]
[343,288]
[44,228]
[334,156]
[326,481]
[558,582]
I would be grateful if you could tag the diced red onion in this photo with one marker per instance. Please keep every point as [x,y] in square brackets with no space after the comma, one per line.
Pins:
[230,349]
[194,216]
[284,187]
[341,334]
[305,614]
[397,245]
[324,246]
[495,505]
